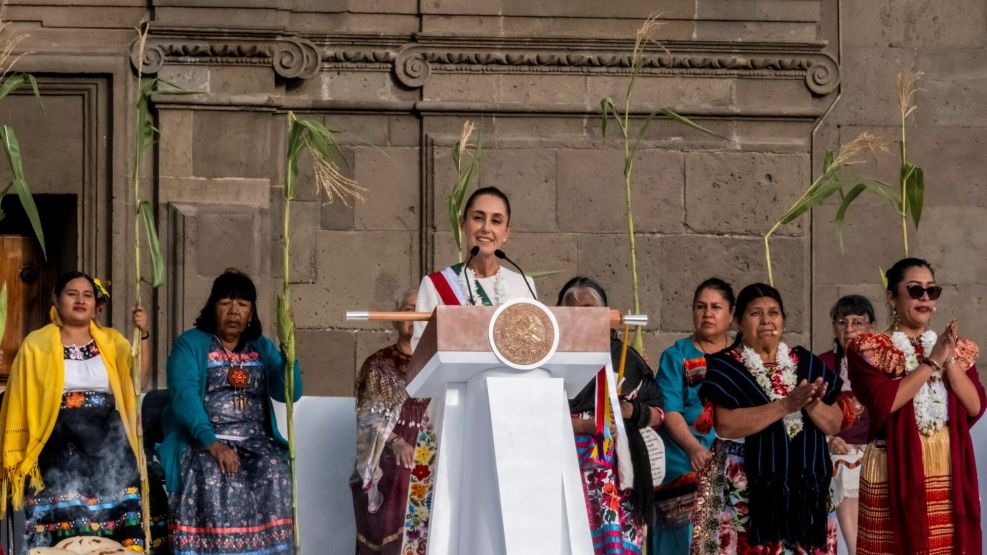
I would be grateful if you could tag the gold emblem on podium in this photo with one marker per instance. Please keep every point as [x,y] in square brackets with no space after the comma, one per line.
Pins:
[524,334]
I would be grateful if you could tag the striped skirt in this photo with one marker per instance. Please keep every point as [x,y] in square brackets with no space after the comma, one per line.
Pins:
[875,532]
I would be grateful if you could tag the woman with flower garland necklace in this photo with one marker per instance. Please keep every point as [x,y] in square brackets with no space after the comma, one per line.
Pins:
[765,488]
[918,485]
[485,224]
[69,424]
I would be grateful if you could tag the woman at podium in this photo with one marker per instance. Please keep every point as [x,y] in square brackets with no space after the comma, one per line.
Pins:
[482,280]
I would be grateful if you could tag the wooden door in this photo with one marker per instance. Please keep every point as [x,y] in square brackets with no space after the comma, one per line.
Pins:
[21,270]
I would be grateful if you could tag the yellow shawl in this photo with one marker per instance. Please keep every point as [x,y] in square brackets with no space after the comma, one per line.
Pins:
[34,395]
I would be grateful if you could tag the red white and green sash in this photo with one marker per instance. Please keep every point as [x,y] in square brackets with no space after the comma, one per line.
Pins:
[449,285]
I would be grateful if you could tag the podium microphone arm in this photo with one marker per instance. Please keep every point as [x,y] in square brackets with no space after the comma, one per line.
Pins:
[500,254]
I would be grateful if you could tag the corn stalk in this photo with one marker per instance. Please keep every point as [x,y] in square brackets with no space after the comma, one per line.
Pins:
[907,201]
[320,142]
[911,178]
[9,82]
[833,181]
[608,108]
[464,179]
[145,134]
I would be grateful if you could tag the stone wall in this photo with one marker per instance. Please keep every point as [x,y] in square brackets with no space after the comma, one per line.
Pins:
[398,79]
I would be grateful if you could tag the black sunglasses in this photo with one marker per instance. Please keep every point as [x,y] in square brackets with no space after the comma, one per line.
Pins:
[916,291]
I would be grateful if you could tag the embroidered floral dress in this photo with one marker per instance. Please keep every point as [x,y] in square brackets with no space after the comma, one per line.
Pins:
[250,511]
[616,525]
[87,466]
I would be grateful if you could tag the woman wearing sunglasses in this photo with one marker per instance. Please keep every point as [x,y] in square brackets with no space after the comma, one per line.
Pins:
[918,485]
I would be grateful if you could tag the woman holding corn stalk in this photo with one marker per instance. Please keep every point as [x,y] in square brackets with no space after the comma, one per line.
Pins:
[617,516]
[485,224]
[765,486]
[225,464]
[918,483]
[69,424]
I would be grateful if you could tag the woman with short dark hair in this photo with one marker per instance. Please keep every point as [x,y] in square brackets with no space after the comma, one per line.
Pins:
[765,487]
[225,464]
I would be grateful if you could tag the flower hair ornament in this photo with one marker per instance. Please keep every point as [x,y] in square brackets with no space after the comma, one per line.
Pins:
[102,293]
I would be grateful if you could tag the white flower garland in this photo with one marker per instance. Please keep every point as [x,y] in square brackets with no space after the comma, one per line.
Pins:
[785,370]
[931,401]
[499,292]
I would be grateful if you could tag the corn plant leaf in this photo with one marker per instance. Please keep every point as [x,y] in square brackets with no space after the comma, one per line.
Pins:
[296,142]
[828,159]
[286,326]
[884,278]
[462,186]
[819,192]
[3,310]
[15,81]
[608,108]
[690,123]
[323,141]
[153,245]
[914,180]
[840,220]
[543,273]
[13,150]
[883,191]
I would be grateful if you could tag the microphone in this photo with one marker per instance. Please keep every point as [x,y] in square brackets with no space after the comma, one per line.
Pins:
[466,275]
[500,254]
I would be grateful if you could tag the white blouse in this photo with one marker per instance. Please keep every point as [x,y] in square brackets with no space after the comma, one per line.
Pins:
[85,369]
[512,287]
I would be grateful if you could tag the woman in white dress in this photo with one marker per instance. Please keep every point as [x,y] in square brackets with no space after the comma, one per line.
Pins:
[485,224]
[482,280]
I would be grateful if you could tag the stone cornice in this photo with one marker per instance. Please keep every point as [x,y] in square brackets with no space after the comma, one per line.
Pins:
[413,61]
[291,57]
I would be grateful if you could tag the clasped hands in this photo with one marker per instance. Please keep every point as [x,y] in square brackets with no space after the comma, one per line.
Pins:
[806,395]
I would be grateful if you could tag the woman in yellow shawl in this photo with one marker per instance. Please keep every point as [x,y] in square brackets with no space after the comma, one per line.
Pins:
[69,424]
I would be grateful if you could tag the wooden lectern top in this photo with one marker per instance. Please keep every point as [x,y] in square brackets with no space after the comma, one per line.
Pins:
[464,329]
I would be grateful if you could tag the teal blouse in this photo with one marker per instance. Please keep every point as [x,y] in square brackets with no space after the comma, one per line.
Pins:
[680,372]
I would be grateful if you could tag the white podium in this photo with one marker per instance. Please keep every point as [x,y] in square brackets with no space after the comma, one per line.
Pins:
[506,476]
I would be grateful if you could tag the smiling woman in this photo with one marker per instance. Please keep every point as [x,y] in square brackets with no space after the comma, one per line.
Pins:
[225,464]
[486,224]
[922,393]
